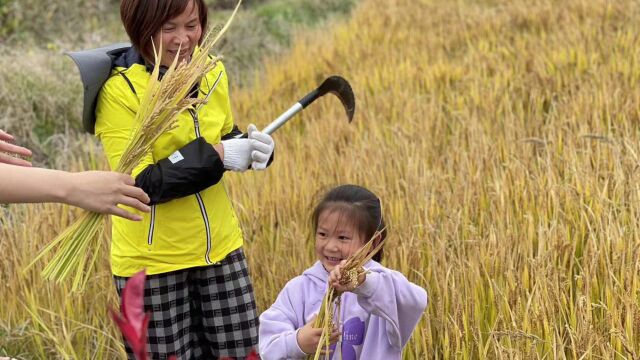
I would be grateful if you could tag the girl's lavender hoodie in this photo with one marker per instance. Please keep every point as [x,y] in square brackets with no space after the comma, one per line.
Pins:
[377,318]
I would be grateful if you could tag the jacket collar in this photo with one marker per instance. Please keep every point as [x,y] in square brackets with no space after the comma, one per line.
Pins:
[132,57]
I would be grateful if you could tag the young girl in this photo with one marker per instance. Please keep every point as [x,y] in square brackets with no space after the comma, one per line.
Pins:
[198,290]
[378,315]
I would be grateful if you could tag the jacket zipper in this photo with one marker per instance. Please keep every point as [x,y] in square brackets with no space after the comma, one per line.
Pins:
[203,209]
[151,225]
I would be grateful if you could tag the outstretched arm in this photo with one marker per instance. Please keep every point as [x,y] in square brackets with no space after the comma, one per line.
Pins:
[98,191]
[389,295]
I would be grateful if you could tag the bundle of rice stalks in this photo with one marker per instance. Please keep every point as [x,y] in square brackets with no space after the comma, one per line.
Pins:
[76,249]
[349,273]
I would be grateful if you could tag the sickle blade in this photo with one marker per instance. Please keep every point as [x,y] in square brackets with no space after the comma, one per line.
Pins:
[340,87]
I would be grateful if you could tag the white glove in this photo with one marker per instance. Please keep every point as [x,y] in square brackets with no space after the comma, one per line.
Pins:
[237,154]
[262,146]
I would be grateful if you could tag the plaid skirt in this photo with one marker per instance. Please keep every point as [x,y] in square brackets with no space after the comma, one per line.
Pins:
[201,313]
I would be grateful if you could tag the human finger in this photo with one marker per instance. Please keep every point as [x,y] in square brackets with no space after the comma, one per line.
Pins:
[337,271]
[5,136]
[333,276]
[335,336]
[127,179]
[136,193]
[124,214]
[134,203]
[335,283]
[7,159]
[133,191]
[14,149]
[339,289]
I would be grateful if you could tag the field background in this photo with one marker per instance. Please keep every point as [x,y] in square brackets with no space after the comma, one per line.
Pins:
[501,135]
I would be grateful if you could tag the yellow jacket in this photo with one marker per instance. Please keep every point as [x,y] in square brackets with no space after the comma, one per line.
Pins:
[198,229]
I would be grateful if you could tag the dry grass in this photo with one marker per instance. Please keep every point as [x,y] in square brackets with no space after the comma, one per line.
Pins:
[502,137]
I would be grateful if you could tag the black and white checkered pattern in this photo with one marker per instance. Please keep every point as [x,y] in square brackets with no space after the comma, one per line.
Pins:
[201,313]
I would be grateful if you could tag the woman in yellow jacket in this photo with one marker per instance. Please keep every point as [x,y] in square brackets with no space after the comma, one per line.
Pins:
[198,290]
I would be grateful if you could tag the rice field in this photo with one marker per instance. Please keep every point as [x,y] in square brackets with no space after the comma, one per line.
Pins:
[503,139]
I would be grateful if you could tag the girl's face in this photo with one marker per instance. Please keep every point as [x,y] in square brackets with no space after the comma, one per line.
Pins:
[336,238]
[184,30]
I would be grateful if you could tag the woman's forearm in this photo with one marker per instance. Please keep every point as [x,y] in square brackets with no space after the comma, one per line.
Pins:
[97,191]
[28,185]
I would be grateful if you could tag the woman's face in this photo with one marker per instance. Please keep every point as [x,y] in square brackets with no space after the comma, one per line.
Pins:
[180,33]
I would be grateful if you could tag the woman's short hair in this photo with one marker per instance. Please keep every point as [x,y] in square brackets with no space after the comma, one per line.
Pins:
[144,18]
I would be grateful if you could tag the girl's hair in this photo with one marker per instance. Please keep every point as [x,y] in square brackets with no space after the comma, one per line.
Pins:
[359,205]
[143,18]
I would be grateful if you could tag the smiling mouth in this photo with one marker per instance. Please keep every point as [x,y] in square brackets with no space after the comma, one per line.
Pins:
[333,259]
[182,53]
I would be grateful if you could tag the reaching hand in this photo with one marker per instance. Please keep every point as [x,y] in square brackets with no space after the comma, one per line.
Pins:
[8,151]
[340,282]
[102,191]
[262,146]
[308,337]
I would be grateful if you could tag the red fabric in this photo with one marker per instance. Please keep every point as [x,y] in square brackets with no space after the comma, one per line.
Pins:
[132,321]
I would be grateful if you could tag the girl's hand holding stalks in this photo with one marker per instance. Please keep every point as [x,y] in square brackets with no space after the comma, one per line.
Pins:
[349,281]
[308,337]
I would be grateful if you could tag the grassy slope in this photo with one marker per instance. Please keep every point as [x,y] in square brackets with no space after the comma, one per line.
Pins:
[502,137]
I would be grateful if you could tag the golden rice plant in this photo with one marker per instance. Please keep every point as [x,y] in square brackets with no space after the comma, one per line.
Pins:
[76,249]
[515,202]
[350,272]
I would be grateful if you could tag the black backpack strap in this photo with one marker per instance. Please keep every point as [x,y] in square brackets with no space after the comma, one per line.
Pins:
[120,72]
